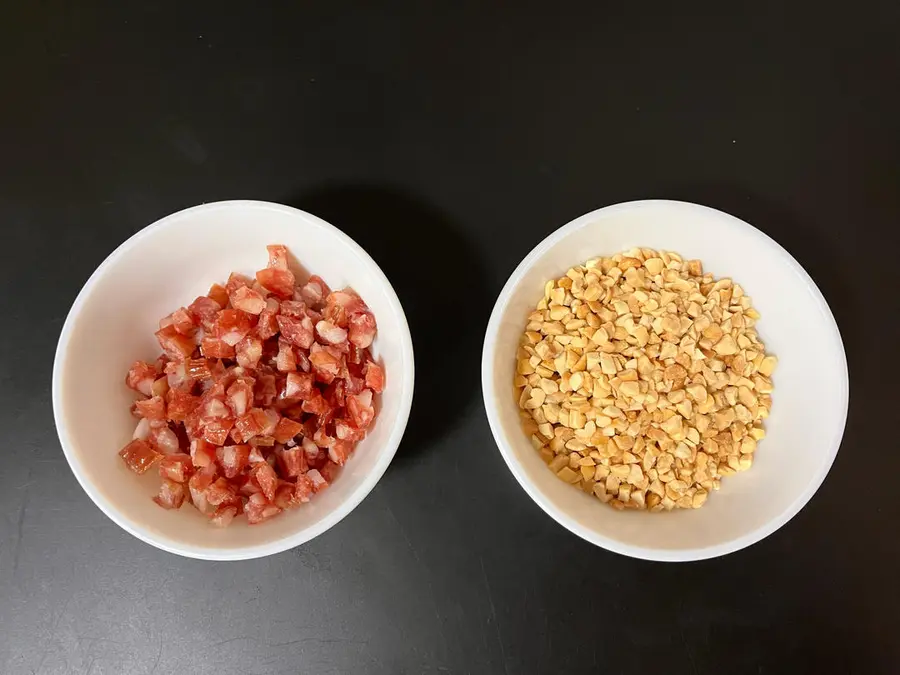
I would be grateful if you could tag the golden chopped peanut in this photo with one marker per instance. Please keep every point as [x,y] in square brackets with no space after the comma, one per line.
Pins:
[558,463]
[726,346]
[607,364]
[569,475]
[654,265]
[630,389]
[642,380]
[767,366]
[635,475]
[697,392]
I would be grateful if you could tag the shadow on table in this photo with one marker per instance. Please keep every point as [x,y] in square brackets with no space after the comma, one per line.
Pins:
[440,282]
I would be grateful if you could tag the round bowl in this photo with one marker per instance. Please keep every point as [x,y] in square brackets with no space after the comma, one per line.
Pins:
[111,324]
[809,401]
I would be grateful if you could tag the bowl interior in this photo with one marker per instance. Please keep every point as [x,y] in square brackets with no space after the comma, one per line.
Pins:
[112,323]
[809,401]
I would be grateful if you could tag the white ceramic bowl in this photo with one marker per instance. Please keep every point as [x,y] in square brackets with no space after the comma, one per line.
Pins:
[112,322]
[809,402]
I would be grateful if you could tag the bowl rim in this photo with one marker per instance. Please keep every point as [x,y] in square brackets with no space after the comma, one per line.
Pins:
[491,401]
[388,450]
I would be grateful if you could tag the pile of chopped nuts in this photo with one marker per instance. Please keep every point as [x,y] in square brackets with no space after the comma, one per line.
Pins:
[642,381]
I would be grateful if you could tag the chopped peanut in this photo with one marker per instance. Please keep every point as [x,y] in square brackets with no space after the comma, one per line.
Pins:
[643,381]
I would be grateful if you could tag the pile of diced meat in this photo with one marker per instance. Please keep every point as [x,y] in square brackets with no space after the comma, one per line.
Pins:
[263,390]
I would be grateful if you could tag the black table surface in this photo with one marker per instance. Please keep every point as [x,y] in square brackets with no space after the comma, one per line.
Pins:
[448,139]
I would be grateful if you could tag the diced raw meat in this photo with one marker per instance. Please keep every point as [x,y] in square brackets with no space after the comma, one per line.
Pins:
[203,454]
[233,459]
[279,282]
[304,489]
[329,470]
[331,334]
[325,365]
[318,480]
[265,390]
[223,515]
[249,351]
[259,509]
[193,424]
[235,281]
[374,377]
[256,456]
[365,398]
[216,418]
[214,405]
[341,305]
[176,346]
[286,430]
[303,362]
[176,375]
[314,291]
[316,404]
[268,325]
[227,374]
[298,386]
[249,425]
[142,430]
[171,494]
[232,325]
[240,395]
[152,408]
[164,439]
[177,467]
[347,432]
[320,460]
[284,495]
[160,386]
[293,309]
[248,300]
[339,451]
[216,430]
[220,374]
[298,331]
[205,309]
[353,385]
[219,293]
[362,329]
[181,404]
[184,322]
[356,355]
[360,408]
[140,377]
[139,455]
[310,449]
[269,422]
[197,485]
[220,492]
[197,370]
[286,361]
[292,461]
[334,394]
[214,348]
[278,256]
[265,477]
[322,439]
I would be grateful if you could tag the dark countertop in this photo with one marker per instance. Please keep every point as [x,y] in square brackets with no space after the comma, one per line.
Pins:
[448,141]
